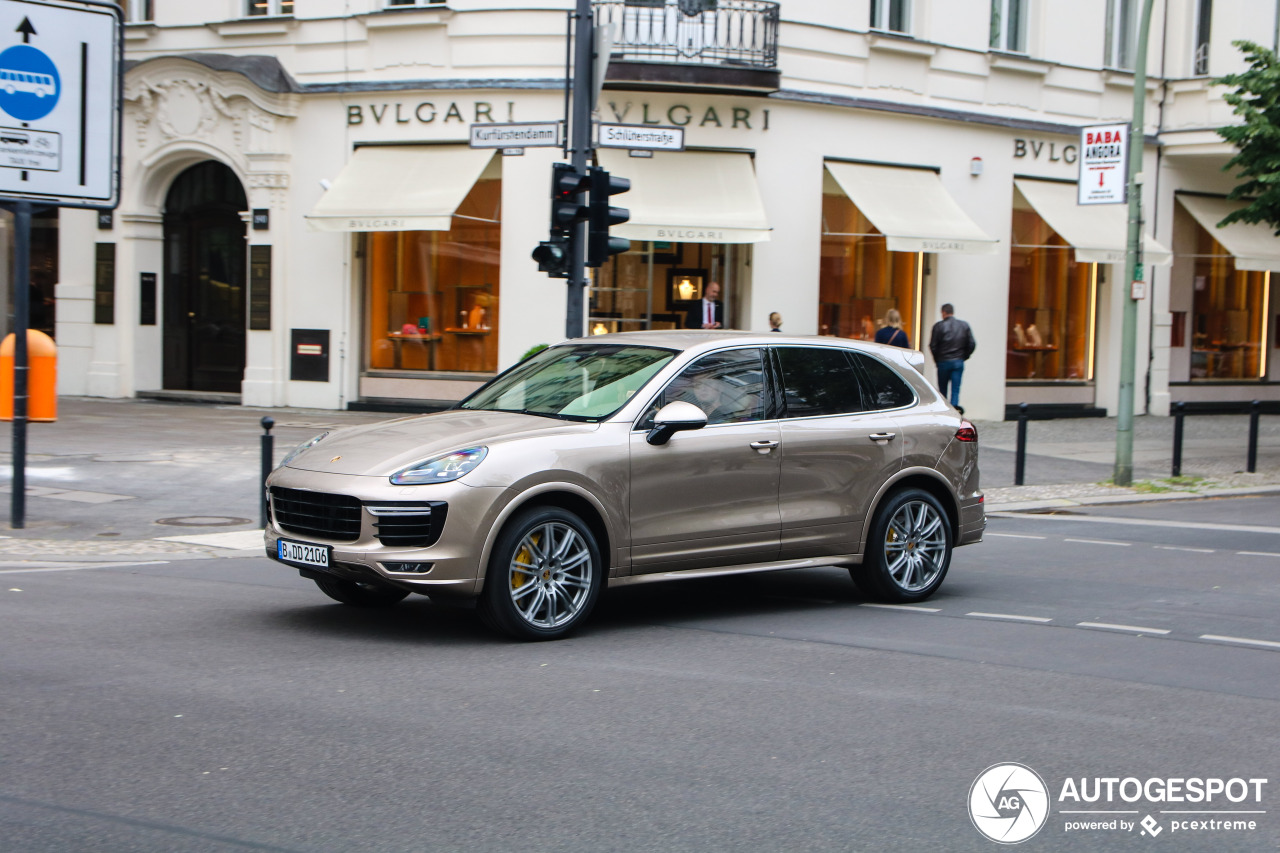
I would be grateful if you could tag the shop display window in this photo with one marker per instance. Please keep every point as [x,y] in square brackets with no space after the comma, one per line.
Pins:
[1228,315]
[1052,305]
[656,284]
[860,279]
[432,296]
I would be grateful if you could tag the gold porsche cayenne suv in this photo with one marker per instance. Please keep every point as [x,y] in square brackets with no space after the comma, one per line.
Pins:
[637,457]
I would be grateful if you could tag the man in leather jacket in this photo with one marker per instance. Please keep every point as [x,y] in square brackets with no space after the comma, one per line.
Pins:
[951,344]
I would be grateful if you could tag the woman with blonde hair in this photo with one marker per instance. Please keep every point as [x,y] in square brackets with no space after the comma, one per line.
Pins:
[891,332]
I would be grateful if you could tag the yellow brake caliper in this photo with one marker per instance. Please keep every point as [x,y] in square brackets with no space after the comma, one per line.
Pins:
[524,555]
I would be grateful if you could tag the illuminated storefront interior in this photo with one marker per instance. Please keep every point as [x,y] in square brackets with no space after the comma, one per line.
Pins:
[1052,305]
[1225,322]
[431,218]
[877,224]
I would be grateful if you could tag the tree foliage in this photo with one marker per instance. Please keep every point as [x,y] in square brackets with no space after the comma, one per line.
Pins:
[1256,99]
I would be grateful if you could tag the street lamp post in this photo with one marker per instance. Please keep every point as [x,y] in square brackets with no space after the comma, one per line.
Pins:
[1133,259]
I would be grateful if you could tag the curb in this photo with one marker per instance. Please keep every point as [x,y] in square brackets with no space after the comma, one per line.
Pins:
[1133,498]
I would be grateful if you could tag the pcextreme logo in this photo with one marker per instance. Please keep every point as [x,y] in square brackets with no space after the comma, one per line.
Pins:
[1009,803]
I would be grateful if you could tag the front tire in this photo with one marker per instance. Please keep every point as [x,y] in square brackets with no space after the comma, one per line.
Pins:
[360,594]
[544,575]
[909,549]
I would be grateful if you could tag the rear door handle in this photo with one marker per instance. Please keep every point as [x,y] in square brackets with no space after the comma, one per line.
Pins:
[882,436]
[763,446]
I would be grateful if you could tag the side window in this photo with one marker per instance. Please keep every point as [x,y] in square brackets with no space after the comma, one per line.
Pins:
[819,381]
[885,388]
[728,386]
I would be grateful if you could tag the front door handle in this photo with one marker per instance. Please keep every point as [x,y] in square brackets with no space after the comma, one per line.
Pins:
[882,436]
[763,446]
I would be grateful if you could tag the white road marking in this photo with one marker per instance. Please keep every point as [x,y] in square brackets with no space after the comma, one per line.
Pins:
[1111,627]
[1140,522]
[1180,548]
[1014,535]
[75,567]
[1012,616]
[1099,542]
[1256,554]
[1244,640]
[905,607]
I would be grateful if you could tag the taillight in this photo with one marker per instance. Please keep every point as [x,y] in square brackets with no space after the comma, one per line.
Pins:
[967,432]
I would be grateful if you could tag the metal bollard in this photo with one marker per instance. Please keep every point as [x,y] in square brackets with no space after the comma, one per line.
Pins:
[1179,412]
[1020,457]
[1255,409]
[268,462]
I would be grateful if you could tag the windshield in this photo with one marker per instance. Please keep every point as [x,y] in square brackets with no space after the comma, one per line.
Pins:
[581,382]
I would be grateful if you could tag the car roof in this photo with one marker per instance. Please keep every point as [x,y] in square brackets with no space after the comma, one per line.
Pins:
[689,339]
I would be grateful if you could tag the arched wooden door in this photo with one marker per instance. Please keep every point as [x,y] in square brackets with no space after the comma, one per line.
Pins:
[204,280]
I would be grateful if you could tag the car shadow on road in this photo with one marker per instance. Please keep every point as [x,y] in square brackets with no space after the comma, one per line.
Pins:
[414,620]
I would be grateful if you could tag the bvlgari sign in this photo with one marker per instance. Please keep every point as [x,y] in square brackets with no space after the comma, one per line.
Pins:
[1104,164]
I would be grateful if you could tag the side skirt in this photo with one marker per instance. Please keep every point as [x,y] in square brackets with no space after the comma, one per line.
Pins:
[840,560]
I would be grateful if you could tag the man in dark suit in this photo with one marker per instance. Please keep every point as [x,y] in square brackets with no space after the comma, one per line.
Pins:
[708,313]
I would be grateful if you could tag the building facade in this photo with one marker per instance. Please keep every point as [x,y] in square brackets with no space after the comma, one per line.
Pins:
[303,222]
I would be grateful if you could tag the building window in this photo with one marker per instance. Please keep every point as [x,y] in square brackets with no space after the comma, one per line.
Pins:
[1200,55]
[891,15]
[1122,26]
[432,298]
[1228,315]
[1009,25]
[860,280]
[136,11]
[1052,305]
[269,8]
[659,285]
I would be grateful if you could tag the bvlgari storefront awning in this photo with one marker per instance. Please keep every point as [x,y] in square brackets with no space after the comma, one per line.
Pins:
[911,208]
[1254,245]
[689,197]
[400,188]
[1099,233]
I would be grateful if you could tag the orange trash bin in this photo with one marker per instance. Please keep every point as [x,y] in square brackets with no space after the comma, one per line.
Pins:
[42,377]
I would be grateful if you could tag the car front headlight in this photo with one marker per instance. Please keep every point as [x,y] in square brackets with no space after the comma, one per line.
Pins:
[306,445]
[440,469]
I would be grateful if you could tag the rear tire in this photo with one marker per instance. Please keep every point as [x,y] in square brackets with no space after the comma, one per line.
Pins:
[544,575]
[909,549]
[360,594]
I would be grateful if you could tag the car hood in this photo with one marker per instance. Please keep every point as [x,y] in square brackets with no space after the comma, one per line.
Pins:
[379,450]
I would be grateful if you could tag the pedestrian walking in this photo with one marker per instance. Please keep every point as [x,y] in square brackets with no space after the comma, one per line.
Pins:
[951,343]
[891,332]
[775,322]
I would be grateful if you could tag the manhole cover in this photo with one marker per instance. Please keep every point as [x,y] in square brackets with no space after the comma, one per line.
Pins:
[202,521]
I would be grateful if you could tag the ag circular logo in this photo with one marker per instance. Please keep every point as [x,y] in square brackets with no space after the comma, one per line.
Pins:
[29,83]
[1008,803]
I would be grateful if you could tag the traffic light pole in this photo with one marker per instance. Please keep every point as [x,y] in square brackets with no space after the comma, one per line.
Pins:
[579,149]
[1123,475]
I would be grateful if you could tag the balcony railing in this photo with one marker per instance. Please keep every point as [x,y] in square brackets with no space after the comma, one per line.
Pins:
[736,33]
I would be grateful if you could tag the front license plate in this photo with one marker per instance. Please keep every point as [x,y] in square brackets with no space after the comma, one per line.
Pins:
[302,554]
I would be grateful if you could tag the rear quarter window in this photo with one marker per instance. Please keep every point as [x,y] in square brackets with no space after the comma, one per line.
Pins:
[885,389]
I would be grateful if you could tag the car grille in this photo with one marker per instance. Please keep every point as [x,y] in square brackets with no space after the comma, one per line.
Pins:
[408,524]
[317,514]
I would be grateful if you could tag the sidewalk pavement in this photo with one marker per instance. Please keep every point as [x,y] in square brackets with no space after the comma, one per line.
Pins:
[136,480]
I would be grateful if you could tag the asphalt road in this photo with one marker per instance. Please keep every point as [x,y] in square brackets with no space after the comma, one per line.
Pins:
[226,705]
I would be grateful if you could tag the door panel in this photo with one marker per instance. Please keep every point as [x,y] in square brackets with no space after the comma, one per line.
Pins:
[705,498]
[831,469]
[708,497]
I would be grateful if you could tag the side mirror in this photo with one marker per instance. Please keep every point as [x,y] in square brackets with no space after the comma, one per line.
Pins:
[674,417]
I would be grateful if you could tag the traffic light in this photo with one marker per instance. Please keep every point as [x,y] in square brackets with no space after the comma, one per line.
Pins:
[600,246]
[555,254]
